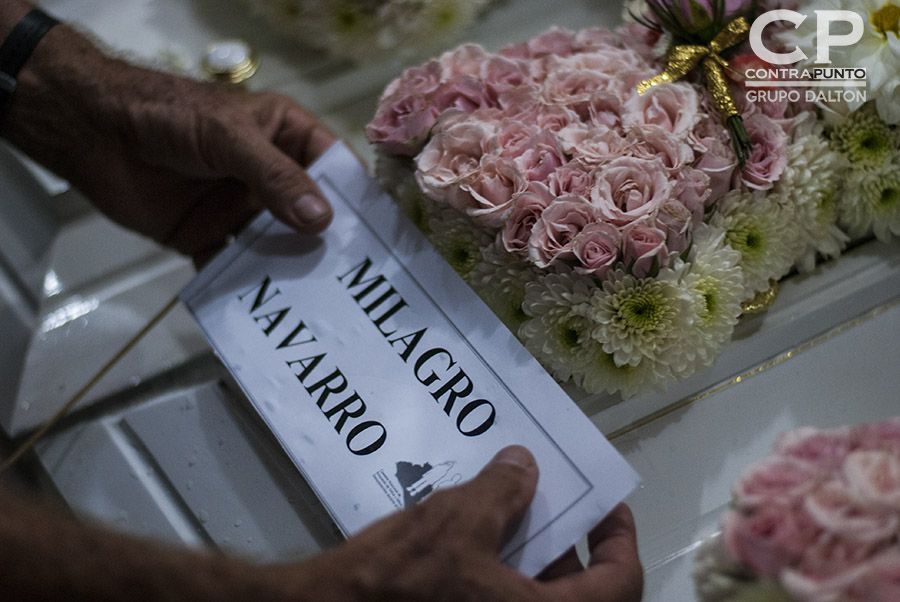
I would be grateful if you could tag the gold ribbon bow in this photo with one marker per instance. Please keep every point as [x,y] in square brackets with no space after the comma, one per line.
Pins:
[682,58]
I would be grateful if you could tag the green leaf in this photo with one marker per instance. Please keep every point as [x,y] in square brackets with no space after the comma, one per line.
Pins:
[700,18]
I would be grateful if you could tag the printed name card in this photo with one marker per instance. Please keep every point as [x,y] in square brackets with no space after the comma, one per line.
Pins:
[384,376]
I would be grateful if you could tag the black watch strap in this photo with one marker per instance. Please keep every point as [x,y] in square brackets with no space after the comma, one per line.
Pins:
[16,49]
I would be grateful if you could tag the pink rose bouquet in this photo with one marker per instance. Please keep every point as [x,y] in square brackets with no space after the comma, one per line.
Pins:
[817,520]
[616,233]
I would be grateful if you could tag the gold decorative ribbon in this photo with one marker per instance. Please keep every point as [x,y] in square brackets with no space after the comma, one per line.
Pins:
[682,58]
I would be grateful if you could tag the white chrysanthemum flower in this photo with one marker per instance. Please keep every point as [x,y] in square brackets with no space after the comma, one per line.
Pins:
[426,23]
[559,336]
[716,576]
[715,283]
[865,140]
[346,27]
[366,29]
[559,329]
[808,188]
[871,200]
[500,281]
[765,234]
[640,320]
[878,51]
[458,239]
[599,372]
[397,176]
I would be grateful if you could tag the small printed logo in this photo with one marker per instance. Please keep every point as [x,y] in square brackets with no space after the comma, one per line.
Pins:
[412,483]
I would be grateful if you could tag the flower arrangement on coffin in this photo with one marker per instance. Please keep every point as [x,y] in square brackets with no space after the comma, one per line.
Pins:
[818,520]
[616,231]
[365,30]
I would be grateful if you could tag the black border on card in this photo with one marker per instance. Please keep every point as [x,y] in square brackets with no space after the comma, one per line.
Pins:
[257,229]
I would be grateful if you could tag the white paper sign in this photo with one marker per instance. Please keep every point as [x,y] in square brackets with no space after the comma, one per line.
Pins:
[385,377]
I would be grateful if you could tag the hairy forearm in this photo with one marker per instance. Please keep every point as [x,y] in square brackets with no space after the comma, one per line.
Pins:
[184,162]
[46,556]
[68,108]
[48,118]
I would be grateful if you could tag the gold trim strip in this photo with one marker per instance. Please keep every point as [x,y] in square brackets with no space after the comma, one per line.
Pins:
[738,379]
[42,430]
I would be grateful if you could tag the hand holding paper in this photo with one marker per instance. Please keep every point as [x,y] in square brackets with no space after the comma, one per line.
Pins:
[446,549]
[184,162]
[384,376]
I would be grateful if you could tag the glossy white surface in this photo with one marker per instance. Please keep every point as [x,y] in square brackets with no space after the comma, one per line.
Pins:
[169,451]
[690,458]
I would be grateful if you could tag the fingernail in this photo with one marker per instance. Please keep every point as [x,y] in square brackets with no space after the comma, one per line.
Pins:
[515,455]
[310,209]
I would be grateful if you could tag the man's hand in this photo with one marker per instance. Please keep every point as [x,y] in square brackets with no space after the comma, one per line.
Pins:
[185,162]
[446,548]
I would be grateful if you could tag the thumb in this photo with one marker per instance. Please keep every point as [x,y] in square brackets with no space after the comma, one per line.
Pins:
[497,499]
[287,191]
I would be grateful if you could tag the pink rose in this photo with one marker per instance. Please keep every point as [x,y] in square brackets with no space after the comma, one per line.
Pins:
[832,508]
[594,146]
[593,38]
[572,178]
[489,119]
[873,477]
[596,248]
[824,449]
[554,118]
[709,128]
[827,567]
[513,136]
[501,74]
[605,110]
[516,51]
[463,60]
[420,79]
[520,104]
[654,142]
[573,88]
[523,215]
[555,41]
[401,124]
[880,436]
[880,581]
[637,38]
[769,155]
[492,189]
[675,107]
[463,92]
[625,84]
[675,219]
[629,188]
[644,248]
[540,157]
[693,191]
[451,156]
[608,60]
[774,479]
[554,233]
[719,163]
[768,540]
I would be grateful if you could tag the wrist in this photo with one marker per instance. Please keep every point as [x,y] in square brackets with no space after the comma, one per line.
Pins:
[16,49]
[49,117]
[11,12]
